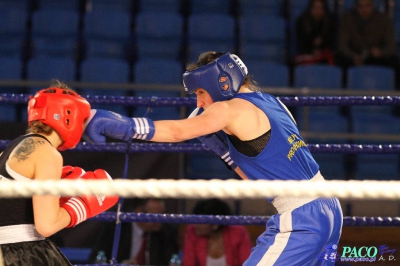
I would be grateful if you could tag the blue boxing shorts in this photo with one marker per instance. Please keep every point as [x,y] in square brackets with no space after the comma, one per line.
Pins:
[307,235]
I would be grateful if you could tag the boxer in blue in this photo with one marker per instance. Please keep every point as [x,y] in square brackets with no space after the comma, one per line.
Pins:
[256,136]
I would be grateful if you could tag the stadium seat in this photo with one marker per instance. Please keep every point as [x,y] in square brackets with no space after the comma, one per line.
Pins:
[269,74]
[106,33]
[19,4]
[331,166]
[49,68]
[158,72]
[371,78]
[10,69]
[55,32]
[169,6]
[73,5]
[121,5]
[215,6]
[374,124]
[105,70]
[46,68]
[210,32]
[262,37]
[377,167]
[260,7]
[13,31]
[158,35]
[318,77]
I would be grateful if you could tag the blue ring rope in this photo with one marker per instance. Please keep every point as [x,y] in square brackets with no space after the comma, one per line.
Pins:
[191,102]
[127,217]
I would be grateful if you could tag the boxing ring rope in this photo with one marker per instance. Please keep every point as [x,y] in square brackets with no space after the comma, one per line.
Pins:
[190,102]
[234,189]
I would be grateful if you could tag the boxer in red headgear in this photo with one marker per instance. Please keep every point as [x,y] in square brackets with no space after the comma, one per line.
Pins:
[56,116]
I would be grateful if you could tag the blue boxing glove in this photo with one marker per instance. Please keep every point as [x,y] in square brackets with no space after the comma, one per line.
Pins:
[102,124]
[217,142]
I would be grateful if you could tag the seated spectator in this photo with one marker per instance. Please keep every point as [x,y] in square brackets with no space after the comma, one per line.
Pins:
[141,243]
[315,32]
[211,244]
[366,36]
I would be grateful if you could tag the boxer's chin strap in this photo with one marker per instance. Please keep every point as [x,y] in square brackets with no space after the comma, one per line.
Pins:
[118,223]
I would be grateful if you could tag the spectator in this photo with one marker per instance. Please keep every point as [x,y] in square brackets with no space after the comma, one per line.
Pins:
[141,243]
[367,37]
[208,244]
[315,32]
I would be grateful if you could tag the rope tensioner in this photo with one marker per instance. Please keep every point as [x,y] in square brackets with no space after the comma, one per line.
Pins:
[234,189]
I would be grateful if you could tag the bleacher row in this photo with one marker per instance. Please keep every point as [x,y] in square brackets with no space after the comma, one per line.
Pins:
[179,30]
[149,41]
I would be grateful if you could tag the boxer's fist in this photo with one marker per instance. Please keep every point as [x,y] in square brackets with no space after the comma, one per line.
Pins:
[70,172]
[81,208]
[102,124]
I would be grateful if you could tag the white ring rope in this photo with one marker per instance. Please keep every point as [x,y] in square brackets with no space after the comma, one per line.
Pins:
[236,189]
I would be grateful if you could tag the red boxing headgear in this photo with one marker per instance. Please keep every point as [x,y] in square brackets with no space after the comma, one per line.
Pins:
[63,110]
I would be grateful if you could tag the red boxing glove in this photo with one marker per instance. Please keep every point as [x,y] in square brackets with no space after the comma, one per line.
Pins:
[81,208]
[70,172]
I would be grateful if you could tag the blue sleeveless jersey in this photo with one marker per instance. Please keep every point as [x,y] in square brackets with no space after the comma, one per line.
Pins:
[286,156]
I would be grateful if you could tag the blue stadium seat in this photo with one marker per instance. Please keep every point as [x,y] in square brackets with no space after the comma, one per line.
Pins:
[73,5]
[13,31]
[122,5]
[215,6]
[269,74]
[318,77]
[323,122]
[331,166]
[210,32]
[158,35]
[262,37]
[46,68]
[106,32]
[375,123]
[77,255]
[19,4]
[55,32]
[158,72]
[346,5]
[49,68]
[10,69]
[371,78]
[260,7]
[377,167]
[170,6]
[105,70]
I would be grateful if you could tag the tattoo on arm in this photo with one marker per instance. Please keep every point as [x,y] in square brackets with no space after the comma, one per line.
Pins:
[26,148]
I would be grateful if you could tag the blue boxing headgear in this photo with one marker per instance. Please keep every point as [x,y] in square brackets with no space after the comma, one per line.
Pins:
[221,78]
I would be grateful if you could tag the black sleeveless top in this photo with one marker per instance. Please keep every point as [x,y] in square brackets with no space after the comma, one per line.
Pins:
[14,211]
